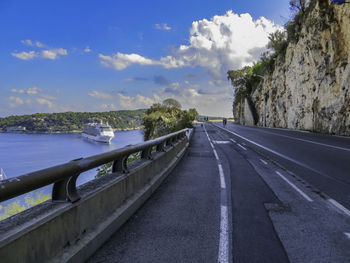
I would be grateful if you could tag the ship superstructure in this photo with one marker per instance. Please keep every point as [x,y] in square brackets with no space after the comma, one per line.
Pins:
[98,132]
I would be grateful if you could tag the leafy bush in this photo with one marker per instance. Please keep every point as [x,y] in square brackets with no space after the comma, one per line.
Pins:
[162,119]
[16,207]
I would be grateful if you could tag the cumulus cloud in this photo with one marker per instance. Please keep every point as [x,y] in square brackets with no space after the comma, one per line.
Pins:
[100,95]
[15,101]
[53,53]
[136,102]
[30,91]
[25,55]
[162,26]
[107,107]
[46,102]
[31,43]
[47,53]
[121,61]
[224,42]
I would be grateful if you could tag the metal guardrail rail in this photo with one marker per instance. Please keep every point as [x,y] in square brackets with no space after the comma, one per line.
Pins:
[64,176]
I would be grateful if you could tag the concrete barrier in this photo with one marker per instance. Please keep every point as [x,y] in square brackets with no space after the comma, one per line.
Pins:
[72,232]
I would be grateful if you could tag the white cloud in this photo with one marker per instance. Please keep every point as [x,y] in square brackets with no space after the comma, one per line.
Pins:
[87,49]
[100,95]
[121,61]
[48,53]
[162,27]
[207,101]
[25,55]
[15,101]
[46,102]
[30,91]
[53,53]
[137,102]
[107,107]
[31,43]
[229,41]
[33,91]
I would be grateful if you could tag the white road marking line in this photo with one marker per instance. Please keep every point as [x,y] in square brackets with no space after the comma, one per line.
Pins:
[223,256]
[232,140]
[221,142]
[222,177]
[224,248]
[261,160]
[318,143]
[295,187]
[347,235]
[276,153]
[241,146]
[339,206]
[216,155]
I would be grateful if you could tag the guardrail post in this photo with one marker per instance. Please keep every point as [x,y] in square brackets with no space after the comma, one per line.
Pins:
[66,190]
[147,153]
[160,147]
[169,142]
[120,165]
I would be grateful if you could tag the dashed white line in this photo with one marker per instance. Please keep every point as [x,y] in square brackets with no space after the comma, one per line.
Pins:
[223,256]
[222,177]
[241,146]
[339,206]
[264,162]
[295,187]
[274,152]
[347,235]
[232,140]
[224,247]
[221,142]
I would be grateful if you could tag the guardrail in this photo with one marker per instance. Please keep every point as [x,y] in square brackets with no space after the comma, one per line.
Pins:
[71,228]
[64,176]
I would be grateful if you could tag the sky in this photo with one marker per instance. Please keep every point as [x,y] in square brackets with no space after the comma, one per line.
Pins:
[105,55]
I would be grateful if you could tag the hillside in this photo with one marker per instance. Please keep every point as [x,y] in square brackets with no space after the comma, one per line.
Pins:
[307,85]
[73,121]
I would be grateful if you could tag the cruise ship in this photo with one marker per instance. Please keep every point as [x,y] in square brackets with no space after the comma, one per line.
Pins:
[98,132]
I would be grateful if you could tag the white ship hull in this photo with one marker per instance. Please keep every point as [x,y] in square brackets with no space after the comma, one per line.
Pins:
[98,138]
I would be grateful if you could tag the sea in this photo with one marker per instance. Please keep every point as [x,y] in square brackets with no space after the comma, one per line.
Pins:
[21,153]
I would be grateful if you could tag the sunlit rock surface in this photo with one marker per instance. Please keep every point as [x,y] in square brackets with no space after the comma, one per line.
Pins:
[309,90]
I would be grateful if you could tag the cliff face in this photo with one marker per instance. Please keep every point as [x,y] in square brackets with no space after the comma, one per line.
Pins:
[309,88]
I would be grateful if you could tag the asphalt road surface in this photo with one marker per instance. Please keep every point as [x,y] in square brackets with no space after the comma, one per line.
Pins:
[244,194]
[321,160]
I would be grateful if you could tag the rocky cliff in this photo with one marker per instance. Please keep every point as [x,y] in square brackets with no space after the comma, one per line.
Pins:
[309,87]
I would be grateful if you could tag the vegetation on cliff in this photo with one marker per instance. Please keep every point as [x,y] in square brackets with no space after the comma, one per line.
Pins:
[161,119]
[302,82]
[73,121]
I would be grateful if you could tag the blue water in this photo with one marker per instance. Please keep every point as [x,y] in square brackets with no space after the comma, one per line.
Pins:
[23,153]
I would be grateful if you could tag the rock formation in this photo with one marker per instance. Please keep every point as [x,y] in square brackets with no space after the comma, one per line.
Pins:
[309,87]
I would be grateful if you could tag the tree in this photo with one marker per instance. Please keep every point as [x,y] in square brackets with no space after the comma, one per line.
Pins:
[278,41]
[298,5]
[172,103]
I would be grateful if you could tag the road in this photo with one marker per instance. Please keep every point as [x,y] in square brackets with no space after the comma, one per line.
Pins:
[244,194]
[321,160]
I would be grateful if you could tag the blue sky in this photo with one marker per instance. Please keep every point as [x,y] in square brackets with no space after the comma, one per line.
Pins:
[110,55]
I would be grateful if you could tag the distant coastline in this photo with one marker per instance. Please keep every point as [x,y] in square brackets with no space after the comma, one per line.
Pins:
[67,132]
[71,122]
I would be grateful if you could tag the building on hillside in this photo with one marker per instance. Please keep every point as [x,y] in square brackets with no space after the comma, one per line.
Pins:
[16,129]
